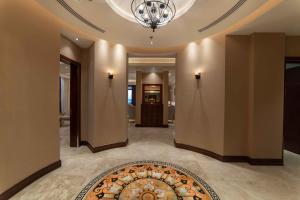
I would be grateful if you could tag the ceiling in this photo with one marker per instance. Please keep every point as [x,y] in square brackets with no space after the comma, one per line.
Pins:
[121,7]
[150,69]
[82,42]
[151,65]
[97,19]
[283,18]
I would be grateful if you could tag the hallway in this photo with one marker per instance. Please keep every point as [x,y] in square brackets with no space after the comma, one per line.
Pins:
[230,180]
[212,71]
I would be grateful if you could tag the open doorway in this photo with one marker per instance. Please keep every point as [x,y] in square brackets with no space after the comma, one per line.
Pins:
[69,102]
[151,99]
[292,105]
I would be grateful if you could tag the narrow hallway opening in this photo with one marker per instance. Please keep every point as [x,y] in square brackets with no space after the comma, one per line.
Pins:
[151,99]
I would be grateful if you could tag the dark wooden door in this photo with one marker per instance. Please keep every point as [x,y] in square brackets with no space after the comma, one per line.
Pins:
[152,115]
[292,109]
[75,113]
[75,105]
[152,110]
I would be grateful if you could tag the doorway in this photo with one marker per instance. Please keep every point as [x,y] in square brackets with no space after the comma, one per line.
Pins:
[151,98]
[292,105]
[69,98]
[151,90]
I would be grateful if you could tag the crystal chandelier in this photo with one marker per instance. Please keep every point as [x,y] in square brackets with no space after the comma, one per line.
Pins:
[153,13]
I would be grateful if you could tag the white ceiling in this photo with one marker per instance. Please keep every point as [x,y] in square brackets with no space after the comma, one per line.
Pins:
[178,32]
[123,8]
[80,41]
[283,18]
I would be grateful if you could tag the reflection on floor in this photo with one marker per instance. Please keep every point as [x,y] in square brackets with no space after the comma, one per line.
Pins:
[229,180]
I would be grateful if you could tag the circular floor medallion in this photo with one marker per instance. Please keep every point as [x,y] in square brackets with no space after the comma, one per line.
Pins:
[147,180]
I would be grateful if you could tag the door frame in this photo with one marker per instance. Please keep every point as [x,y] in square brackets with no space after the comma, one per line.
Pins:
[75,100]
[287,60]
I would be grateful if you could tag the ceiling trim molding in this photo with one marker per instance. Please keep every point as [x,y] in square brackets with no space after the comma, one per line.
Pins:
[78,16]
[224,16]
[151,60]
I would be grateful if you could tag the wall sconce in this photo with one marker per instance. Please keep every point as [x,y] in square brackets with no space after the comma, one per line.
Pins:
[110,75]
[198,75]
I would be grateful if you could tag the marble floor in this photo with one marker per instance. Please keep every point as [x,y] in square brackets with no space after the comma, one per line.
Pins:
[231,181]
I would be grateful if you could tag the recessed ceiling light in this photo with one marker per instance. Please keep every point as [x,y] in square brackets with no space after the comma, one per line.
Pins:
[77,39]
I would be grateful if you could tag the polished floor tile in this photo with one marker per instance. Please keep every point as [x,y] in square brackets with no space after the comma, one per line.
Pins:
[231,181]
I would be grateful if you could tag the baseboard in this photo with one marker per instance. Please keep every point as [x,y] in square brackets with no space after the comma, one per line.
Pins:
[234,158]
[84,143]
[266,162]
[161,126]
[105,147]
[30,179]
[252,161]
[198,150]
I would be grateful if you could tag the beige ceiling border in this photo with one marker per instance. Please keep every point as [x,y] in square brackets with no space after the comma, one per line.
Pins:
[224,16]
[266,7]
[78,16]
[87,22]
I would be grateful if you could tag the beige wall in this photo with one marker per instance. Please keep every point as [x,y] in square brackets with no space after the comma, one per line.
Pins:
[237,95]
[292,46]
[266,95]
[152,78]
[248,122]
[107,112]
[29,90]
[165,76]
[70,50]
[138,103]
[200,104]
[254,95]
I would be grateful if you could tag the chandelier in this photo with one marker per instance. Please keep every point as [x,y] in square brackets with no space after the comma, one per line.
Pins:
[153,13]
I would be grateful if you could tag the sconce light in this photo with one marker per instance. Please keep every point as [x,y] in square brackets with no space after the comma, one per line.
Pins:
[110,75]
[198,75]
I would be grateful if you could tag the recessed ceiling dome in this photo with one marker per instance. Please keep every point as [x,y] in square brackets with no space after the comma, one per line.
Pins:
[196,19]
[122,8]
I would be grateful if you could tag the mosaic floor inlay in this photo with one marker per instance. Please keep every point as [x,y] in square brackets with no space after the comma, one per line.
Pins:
[147,180]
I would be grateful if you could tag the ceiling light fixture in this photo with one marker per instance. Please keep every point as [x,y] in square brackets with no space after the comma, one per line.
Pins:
[77,39]
[151,40]
[153,13]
